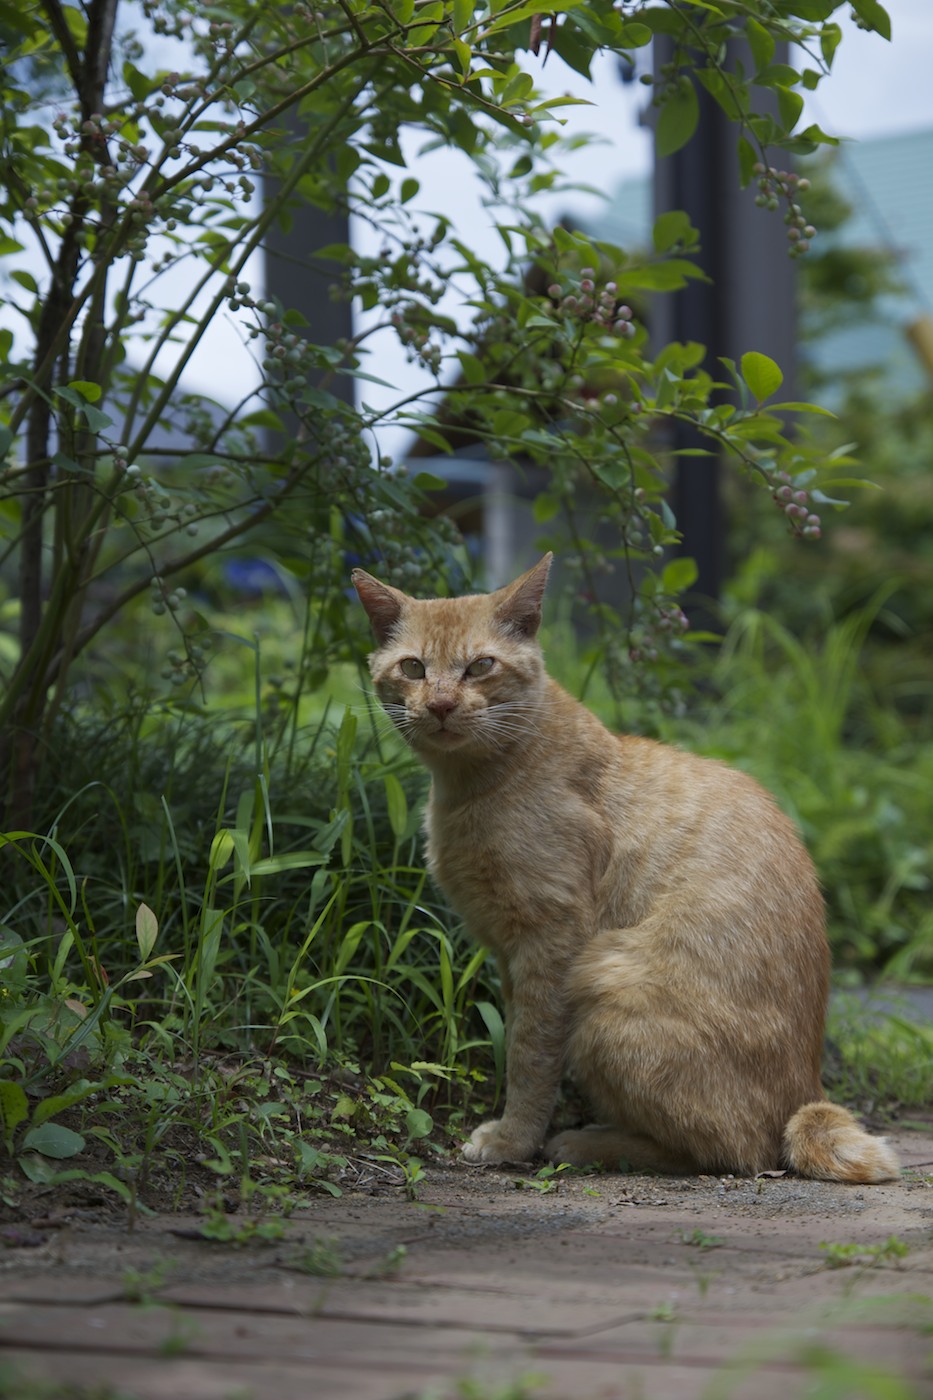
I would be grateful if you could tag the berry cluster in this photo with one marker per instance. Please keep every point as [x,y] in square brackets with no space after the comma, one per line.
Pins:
[590,303]
[773,185]
[795,504]
[162,599]
[667,624]
[155,500]
[417,341]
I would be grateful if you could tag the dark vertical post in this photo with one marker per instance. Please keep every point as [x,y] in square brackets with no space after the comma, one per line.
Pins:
[748,304]
[300,279]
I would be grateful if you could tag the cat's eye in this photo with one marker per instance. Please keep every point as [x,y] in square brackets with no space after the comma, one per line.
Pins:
[481,666]
[412,668]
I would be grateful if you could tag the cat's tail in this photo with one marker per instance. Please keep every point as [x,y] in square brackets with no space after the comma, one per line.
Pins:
[823,1140]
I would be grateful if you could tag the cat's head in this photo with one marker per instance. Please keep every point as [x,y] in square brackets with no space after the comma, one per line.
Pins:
[458,675]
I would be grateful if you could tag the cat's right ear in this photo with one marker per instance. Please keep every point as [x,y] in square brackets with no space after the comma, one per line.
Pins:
[520,607]
[383,604]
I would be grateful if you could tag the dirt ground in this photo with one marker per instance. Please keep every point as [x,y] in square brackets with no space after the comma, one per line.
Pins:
[485,1287]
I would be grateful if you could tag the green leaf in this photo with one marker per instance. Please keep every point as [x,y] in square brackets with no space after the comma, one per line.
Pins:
[748,157]
[462,15]
[139,84]
[14,1108]
[464,56]
[57,1103]
[345,1107]
[672,228]
[288,860]
[410,188]
[633,35]
[801,407]
[473,371]
[830,39]
[678,575]
[729,93]
[760,42]
[397,805]
[790,105]
[418,1122]
[88,391]
[544,508]
[53,1140]
[874,16]
[427,481]
[761,374]
[147,930]
[221,850]
[678,118]
[26,280]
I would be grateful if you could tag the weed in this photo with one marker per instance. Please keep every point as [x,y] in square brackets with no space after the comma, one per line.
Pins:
[224,1228]
[699,1239]
[524,1387]
[140,1285]
[322,1259]
[179,1338]
[15,1386]
[828,1373]
[882,1060]
[547,1179]
[389,1265]
[845,1256]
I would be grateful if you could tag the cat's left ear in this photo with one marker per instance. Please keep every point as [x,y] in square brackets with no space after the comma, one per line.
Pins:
[520,608]
[383,604]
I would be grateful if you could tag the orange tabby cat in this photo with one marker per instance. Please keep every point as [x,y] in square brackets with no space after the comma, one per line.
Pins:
[657,922]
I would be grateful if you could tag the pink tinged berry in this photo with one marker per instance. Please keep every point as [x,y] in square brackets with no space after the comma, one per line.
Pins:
[784,493]
[813,520]
[554,290]
[801,497]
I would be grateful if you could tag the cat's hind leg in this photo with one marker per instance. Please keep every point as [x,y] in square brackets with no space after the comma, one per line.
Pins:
[616,1150]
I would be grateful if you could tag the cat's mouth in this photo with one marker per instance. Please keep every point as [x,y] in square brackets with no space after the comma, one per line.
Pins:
[443,736]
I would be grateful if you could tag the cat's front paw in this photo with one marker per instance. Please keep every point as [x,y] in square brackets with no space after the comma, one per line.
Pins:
[492,1143]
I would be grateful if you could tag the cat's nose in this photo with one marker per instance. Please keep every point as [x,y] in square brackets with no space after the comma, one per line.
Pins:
[441,706]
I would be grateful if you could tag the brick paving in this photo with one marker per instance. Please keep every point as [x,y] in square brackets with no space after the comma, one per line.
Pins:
[607,1288]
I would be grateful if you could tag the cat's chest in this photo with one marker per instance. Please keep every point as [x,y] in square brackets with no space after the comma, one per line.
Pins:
[508,871]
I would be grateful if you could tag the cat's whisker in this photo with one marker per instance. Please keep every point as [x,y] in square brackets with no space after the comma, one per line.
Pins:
[503,724]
